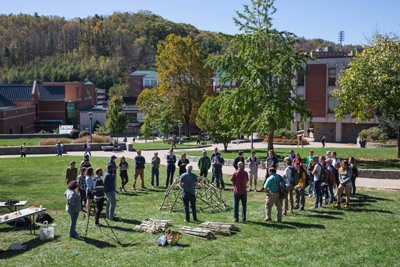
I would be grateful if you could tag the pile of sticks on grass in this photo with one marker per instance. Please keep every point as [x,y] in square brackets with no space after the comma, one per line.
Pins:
[220,228]
[153,226]
[199,232]
[208,196]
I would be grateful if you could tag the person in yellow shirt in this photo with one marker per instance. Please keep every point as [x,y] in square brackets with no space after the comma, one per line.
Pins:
[300,179]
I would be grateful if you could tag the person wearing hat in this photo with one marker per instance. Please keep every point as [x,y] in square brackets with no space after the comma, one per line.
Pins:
[71,173]
[204,164]
[59,147]
[217,162]
[114,172]
[84,163]
[239,181]
[155,169]
[87,146]
[291,155]
[23,150]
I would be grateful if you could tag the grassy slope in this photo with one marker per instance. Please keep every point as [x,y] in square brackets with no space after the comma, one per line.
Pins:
[368,158]
[360,235]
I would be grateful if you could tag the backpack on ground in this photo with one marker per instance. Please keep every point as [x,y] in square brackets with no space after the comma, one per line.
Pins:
[42,217]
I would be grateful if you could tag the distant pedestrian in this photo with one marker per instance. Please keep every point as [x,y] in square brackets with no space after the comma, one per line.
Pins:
[188,182]
[171,160]
[308,132]
[204,164]
[87,146]
[363,143]
[273,195]
[71,173]
[140,162]
[183,161]
[23,150]
[123,173]
[115,145]
[215,141]
[217,162]
[155,169]
[238,159]
[253,163]
[59,148]
[300,141]
[174,141]
[133,139]
[323,141]
[239,181]
[126,139]
[198,139]
[237,141]
[73,207]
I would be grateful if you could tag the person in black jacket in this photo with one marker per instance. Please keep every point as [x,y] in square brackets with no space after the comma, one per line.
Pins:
[99,196]
[238,159]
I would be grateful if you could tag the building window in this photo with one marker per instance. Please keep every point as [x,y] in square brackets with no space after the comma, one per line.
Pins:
[332,76]
[21,128]
[300,78]
[331,104]
[70,114]
[88,92]
[132,117]
[147,83]
[153,82]
[10,130]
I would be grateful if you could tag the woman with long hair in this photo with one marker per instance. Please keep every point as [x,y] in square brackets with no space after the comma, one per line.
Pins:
[298,159]
[73,207]
[171,160]
[123,173]
[345,173]
[89,187]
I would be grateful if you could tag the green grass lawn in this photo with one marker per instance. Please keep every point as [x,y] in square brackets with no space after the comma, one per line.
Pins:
[161,145]
[366,158]
[19,141]
[366,234]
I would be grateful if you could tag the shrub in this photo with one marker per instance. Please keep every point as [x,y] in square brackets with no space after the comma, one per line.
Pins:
[373,134]
[43,132]
[96,126]
[101,131]
[83,133]
[287,133]
[56,131]
[74,134]
[53,141]
[363,134]
[95,139]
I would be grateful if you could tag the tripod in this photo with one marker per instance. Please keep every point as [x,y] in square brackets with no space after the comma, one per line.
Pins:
[93,206]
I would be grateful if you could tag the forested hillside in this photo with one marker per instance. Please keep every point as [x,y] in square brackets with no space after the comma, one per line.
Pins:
[104,50]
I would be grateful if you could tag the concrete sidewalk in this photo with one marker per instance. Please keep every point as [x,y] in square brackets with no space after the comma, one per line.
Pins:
[228,170]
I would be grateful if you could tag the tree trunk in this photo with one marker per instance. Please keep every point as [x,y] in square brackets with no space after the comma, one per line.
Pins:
[225,146]
[271,139]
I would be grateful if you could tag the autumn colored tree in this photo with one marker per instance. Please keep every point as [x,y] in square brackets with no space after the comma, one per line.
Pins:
[372,83]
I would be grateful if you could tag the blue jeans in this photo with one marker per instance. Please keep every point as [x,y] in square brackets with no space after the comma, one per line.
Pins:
[218,177]
[318,193]
[170,175]
[188,197]
[59,153]
[111,203]
[330,191]
[310,186]
[243,199]
[88,151]
[155,172]
[74,217]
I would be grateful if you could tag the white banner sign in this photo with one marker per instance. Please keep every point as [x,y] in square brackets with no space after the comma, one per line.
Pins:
[65,129]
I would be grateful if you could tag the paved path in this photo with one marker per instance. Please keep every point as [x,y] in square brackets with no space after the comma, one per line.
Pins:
[361,182]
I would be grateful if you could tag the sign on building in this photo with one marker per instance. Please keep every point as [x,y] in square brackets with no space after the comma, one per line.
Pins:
[65,129]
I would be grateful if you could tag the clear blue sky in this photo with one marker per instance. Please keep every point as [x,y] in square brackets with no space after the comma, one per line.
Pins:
[308,18]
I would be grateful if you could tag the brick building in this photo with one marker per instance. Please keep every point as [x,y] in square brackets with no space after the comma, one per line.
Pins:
[27,108]
[315,85]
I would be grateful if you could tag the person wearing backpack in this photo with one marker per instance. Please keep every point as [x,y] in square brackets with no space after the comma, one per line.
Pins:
[345,174]
[99,196]
[272,187]
[316,173]
[253,163]
[300,181]
[289,176]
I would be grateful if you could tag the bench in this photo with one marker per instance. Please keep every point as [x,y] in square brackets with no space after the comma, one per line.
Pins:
[20,204]
[109,148]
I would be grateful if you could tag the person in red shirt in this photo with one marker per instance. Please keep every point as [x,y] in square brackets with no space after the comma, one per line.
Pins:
[239,181]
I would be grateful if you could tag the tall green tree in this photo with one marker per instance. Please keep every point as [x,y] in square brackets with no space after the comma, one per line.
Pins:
[165,122]
[183,79]
[146,129]
[372,84]
[266,59]
[116,121]
[122,90]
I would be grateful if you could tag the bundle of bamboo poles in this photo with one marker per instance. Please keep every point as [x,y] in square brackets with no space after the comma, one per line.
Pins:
[199,232]
[220,228]
[153,226]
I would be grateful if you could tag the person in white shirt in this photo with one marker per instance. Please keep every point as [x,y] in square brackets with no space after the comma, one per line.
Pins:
[335,159]
[253,163]
[289,176]
[317,183]
[88,147]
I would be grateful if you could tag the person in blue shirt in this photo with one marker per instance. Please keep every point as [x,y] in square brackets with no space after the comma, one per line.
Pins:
[188,182]
[217,162]
[273,195]
[292,156]
[114,171]
[59,147]
[109,184]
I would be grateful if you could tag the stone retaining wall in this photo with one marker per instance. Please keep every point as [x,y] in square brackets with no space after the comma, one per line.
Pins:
[15,150]
[364,173]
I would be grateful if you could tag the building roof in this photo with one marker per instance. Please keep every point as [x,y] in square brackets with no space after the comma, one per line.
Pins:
[51,92]
[151,75]
[88,83]
[4,102]
[141,72]
[16,92]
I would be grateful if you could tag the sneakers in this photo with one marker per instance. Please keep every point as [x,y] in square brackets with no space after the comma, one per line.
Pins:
[346,206]
[249,189]
[123,189]
[114,219]
[325,203]
[255,190]
[315,207]
[309,195]
[98,225]
[296,207]
[266,219]
[120,189]
[300,209]
[337,205]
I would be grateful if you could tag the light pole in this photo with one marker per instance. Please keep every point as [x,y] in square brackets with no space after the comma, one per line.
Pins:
[91,118]
[252,140]
[180,126]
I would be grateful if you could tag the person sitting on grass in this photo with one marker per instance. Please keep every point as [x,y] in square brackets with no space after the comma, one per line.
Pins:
[188,181]
[73,207]
[345,173]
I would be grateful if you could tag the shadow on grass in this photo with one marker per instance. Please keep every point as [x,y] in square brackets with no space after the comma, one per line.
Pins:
[368,198]
[128,221]
[98,243]
[31,244]
[368,210]
[323,216]
[379,164]
[330,212]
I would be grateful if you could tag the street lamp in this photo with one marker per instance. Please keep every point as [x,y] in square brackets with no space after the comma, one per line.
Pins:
[180,126]
[91,118]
